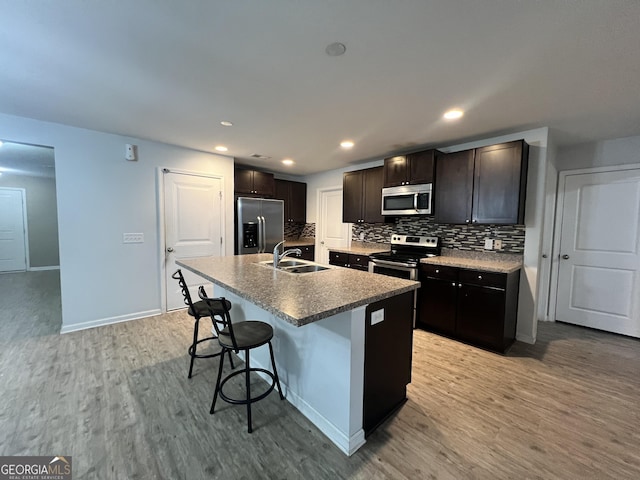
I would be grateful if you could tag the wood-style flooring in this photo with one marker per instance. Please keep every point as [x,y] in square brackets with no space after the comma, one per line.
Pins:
[117,399]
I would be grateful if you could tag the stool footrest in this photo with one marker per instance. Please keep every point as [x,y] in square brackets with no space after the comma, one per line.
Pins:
[244,401]
[209,355]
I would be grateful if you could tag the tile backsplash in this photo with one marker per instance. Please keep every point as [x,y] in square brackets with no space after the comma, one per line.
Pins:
[461,237]
[297,230]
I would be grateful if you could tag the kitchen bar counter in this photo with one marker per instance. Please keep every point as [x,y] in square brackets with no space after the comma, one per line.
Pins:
[298,299]
[324,368]
[489,262]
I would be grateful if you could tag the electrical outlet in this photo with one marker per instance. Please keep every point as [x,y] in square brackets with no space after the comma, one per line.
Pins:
[133,238]
[497,244]
[488,244]
[377,316]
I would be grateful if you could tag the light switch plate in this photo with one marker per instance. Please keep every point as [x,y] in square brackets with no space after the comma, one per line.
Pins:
[377,316]
[133,238]
[497,244]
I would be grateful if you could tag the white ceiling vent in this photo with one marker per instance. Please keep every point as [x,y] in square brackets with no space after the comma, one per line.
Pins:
[261,157]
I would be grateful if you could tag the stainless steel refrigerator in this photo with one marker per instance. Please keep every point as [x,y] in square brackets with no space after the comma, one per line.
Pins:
[259,225]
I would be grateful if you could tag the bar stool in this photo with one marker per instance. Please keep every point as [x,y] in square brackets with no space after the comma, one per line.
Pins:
[198,310]
[238,336]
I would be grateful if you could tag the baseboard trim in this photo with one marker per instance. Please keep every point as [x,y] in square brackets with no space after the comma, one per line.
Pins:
[525,338]
[348,445]
[41,269]
[109,321]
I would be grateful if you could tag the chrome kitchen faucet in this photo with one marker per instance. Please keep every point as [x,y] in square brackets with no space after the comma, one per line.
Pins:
[277,257]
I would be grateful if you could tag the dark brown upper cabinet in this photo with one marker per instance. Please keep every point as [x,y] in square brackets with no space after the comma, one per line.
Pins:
[254,182]
[484,186]
[294,196]
[454,187]
[412,169]
[362,196]
[500,183]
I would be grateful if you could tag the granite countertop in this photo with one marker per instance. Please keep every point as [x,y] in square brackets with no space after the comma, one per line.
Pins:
[489,262]
[299,242]
[297,299]
[363,248]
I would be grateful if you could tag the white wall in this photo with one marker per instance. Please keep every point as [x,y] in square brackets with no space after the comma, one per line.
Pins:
[619,151]
[101,196]
[531,285]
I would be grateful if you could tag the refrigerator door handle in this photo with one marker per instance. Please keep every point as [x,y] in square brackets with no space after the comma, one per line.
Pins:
[260,245]
[261,234]
[264,235]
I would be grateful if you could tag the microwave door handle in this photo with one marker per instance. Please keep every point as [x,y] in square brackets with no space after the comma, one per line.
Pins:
[415,201]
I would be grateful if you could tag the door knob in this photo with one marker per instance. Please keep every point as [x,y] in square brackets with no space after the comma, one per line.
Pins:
[169,249]
[566,257]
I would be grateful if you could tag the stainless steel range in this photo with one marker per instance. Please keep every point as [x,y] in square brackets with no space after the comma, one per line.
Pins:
[403,259]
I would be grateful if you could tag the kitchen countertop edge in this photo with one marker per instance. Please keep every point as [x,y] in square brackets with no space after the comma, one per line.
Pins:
[246,294]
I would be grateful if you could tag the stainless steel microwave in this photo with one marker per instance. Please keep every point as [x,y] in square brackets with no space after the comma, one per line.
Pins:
[407,200]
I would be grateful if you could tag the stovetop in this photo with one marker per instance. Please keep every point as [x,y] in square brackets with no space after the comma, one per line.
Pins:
[410,249]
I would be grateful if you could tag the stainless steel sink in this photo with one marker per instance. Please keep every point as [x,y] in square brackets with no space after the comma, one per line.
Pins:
[305,269]
[296,266]
[290,263]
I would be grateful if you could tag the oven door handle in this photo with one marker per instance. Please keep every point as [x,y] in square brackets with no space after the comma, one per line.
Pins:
[392,264]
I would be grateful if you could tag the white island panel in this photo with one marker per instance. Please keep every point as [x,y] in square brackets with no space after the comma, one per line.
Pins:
[321,367]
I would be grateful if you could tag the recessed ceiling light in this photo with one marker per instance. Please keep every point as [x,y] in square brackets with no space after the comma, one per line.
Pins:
[287,161]
[347,144]
[335,49]
[453,114]
[221,148]
[226,123]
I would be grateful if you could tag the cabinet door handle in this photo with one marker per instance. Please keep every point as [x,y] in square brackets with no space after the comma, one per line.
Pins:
[459,285]
[453,284]
[437,271]
[466,221]
[479,277]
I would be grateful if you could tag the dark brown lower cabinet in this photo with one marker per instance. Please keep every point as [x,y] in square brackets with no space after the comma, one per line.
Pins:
[387,358]
[474,306]
[308,251]
[349,260]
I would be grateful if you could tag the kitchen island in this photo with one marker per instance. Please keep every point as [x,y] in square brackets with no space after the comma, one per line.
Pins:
[331,329]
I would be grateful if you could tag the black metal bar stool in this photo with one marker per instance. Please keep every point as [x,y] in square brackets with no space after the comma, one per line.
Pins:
[198,310]
[240,336]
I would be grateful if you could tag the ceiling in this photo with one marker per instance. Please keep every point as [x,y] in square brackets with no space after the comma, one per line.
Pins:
[171,71]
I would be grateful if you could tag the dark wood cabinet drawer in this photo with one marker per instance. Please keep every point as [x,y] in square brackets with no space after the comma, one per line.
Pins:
[349,260]
[483,279]
[338,258]
[358,261]
[439,272]
[308,251]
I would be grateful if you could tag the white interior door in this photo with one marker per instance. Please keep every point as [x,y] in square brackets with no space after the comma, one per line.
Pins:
[193,227]
[332,232]
[599,273]
[13,252]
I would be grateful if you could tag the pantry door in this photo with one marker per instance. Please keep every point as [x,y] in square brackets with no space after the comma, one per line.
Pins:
[13,251]
[331,232]
[193,222]
[599,258]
